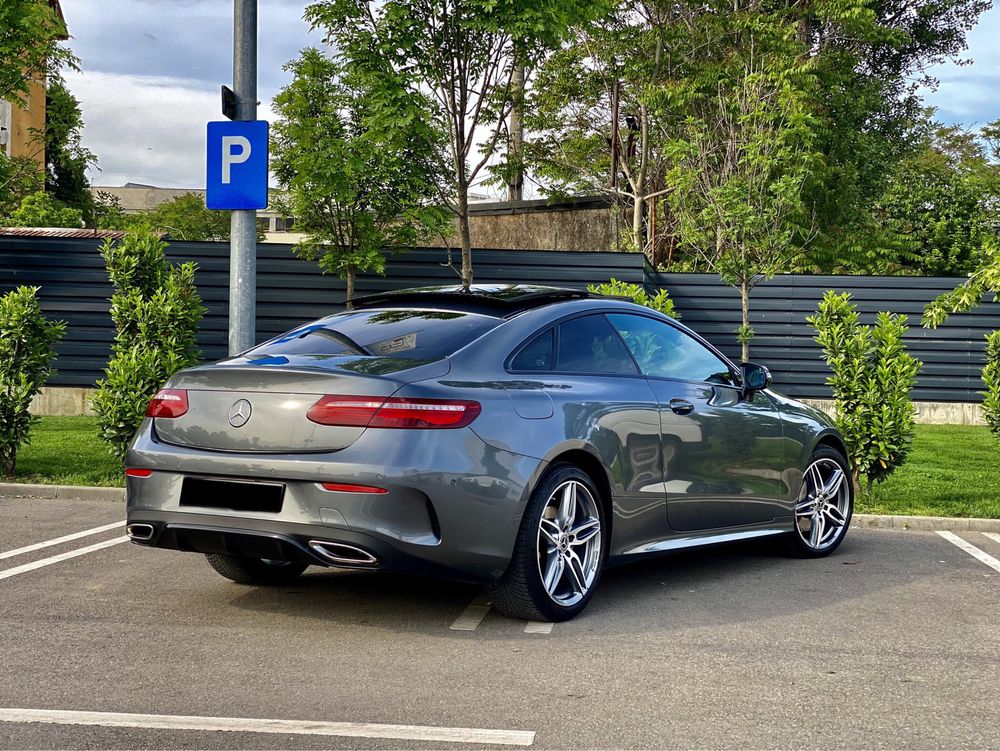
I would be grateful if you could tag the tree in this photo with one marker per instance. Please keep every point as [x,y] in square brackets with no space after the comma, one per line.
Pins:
[29,45]
[156,310]
[353,190]
[41,210]
[19,178]
[741,160]
[871,376]
[26,355]
[186,218]
[457,57]
[601,114]
[66,160]
[984,280]
[870,61]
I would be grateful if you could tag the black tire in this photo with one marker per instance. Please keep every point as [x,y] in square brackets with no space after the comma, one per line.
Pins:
[255,571]
[799,547]
[521,592]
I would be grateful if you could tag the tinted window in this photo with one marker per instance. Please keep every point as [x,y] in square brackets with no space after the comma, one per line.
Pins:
[537,355]
[410,334]
[589,345]
[666,352]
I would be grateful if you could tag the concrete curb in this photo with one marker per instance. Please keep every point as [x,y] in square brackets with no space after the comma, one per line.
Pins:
[864,521]
[925,523]
[74,492]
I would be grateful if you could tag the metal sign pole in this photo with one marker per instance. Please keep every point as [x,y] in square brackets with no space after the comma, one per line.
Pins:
[243,236]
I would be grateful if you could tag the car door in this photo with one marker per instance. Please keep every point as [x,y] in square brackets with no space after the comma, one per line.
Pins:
[599,397]
[722,450]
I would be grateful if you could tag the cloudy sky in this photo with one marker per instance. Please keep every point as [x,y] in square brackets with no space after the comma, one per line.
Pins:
[151,71]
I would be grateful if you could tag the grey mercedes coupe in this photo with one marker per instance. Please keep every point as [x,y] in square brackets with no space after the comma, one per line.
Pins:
[520,436]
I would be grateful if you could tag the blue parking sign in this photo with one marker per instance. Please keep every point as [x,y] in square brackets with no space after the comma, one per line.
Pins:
[237,165]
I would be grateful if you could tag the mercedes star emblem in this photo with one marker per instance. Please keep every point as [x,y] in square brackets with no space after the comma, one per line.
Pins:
[239,413]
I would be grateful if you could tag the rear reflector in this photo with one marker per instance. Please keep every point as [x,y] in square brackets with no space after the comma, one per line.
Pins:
[395,412]
[168,403]
[341,487]
[136,472]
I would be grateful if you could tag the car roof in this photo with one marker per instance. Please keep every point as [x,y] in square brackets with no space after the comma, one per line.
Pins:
[501,300]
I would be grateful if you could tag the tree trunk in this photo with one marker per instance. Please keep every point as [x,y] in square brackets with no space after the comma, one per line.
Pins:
[8,465]
[745,329]
[349,274]
[463,231]
[515,188]
[637,208]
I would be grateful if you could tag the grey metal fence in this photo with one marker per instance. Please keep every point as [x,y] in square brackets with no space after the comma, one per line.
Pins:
[290,291]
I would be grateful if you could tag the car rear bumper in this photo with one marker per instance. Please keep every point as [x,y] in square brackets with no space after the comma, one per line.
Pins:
[452,504]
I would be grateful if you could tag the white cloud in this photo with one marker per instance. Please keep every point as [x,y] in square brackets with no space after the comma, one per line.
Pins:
[147,129]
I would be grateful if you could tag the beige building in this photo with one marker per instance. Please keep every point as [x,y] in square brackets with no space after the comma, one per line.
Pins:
[136,198]
[21,121]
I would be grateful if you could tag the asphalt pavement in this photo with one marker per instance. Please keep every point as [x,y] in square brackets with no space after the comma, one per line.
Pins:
[892,642]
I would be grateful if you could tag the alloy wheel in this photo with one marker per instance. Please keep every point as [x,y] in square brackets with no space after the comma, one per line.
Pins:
[821,513]
[569,543]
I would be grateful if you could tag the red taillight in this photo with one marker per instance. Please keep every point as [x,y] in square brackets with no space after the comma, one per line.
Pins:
[136,472]
[395,412]
[343,487]
[168,403]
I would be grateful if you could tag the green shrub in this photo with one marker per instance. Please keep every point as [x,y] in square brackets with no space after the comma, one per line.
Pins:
[26,339]
[660,301]
[156,310]
[41,210]
[964,298]
[872,375]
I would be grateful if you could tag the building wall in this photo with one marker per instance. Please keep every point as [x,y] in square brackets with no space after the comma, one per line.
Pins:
[25,119]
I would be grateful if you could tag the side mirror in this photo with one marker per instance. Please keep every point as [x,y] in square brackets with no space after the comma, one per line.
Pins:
[755,377]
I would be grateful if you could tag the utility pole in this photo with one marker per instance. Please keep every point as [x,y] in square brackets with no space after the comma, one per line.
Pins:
[243,234]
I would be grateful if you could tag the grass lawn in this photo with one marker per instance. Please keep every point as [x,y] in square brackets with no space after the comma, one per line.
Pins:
[67,451]
[953,470]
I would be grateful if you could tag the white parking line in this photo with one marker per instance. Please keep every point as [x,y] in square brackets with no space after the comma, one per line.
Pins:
[280,727]
[61,557]
[993,536]
[538,627]
[472,616]
[58,540]
[972,550]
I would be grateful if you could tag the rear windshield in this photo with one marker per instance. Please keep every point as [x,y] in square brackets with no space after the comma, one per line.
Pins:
[409,334]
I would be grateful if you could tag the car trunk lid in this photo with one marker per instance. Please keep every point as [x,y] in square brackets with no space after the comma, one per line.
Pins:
[261,404]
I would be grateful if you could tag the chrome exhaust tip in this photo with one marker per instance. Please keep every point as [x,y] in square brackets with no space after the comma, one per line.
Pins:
[140,532]
[340,554]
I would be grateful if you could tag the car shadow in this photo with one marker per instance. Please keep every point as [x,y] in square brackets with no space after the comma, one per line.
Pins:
[735,583]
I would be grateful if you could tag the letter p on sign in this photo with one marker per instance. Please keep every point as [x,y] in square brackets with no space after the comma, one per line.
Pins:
[237,165]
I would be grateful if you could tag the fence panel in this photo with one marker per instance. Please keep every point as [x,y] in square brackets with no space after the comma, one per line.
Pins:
[74,286]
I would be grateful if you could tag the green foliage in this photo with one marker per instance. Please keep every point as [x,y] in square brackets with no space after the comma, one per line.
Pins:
[66,160]
[156,310]
[26,355]
[353,189]
[984,280]
[41,210]
[29,45]
[19,177]
[186,218]
[871,376]
[614,288]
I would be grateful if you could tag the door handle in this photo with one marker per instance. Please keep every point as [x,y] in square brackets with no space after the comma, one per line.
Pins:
[681,406]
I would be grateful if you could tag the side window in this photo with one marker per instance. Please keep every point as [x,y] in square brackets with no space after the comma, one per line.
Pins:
[666,352]
[589,345]
[537,355]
